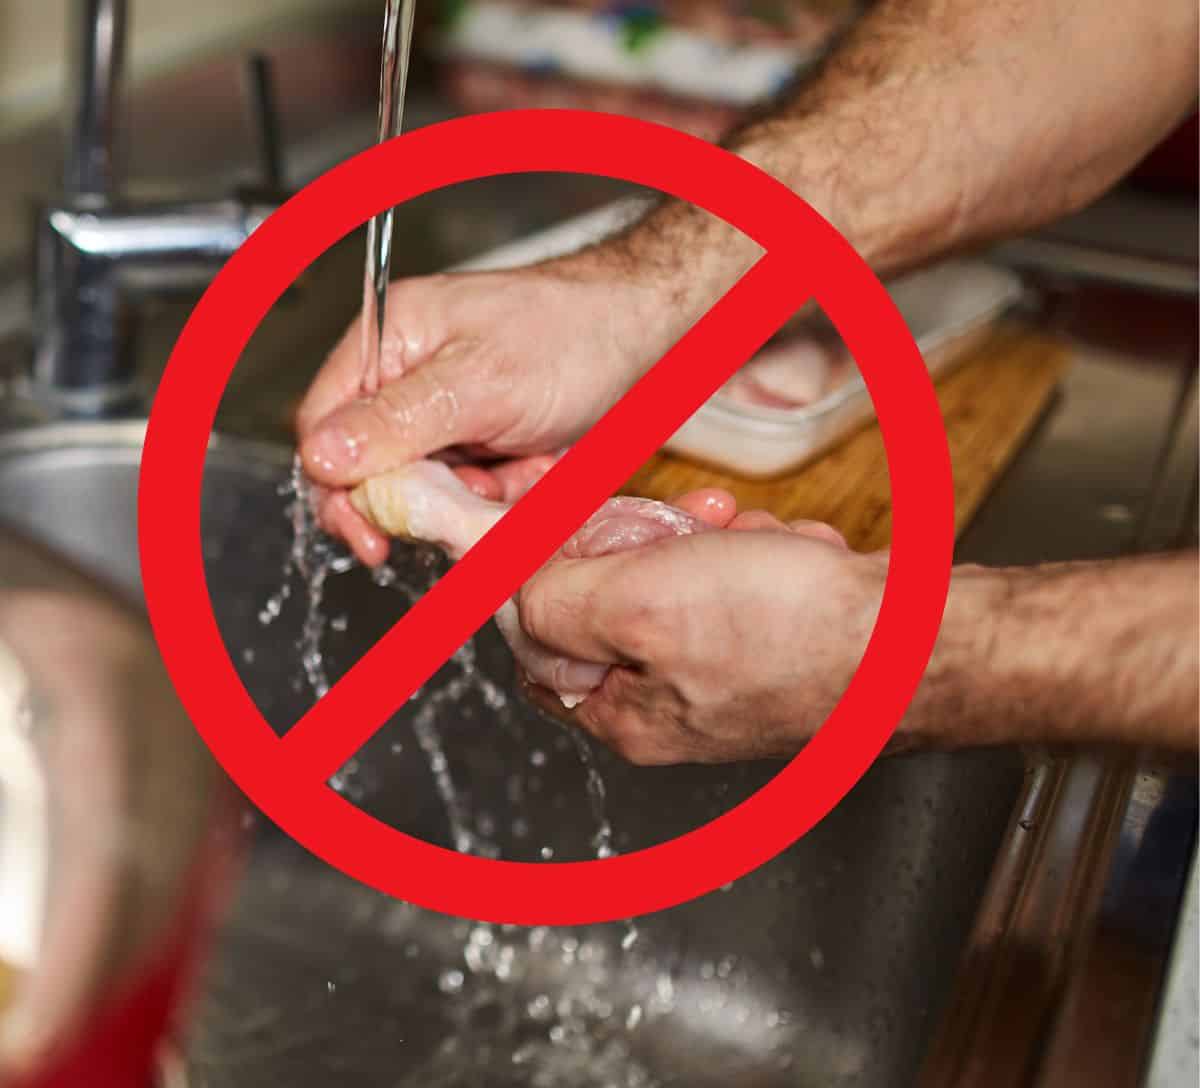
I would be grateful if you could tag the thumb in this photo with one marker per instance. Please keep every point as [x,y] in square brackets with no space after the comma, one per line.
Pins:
[417,329]
[576,607]
[445,402]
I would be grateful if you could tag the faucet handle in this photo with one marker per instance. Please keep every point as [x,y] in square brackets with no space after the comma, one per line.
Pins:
[263,109]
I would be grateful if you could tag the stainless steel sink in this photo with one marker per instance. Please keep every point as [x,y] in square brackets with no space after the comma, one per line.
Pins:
[828,966]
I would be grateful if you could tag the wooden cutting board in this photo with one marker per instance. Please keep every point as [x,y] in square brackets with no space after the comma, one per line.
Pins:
[989,405]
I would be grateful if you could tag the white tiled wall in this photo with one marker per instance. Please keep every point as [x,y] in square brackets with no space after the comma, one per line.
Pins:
[33,39]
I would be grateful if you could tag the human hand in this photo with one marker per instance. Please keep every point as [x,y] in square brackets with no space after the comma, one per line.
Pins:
[722,646]
[499,367]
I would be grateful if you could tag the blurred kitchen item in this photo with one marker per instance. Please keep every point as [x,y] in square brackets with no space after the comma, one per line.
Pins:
[990,407]
[696,66]
[947,308]
[262,100]
[114,832]
[23,826]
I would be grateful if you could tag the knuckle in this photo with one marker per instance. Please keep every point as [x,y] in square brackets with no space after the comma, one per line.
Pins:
[543,611]
[393,408]
[436,396]
[418,400]
[645,627]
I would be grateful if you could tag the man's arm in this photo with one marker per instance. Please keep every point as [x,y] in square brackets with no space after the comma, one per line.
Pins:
[1096,652]
[737,644]
[941,124]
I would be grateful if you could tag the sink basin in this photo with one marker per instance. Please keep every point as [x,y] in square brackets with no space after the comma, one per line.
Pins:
[828,966]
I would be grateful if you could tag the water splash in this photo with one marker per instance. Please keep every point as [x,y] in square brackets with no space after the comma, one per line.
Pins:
[313,557]
[547,1006]
[577,1028]
[602,840]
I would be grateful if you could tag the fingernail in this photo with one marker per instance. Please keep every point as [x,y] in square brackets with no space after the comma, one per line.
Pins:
[578,677]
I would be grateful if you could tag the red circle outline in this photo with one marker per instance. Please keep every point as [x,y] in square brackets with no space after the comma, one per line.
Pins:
[558,141]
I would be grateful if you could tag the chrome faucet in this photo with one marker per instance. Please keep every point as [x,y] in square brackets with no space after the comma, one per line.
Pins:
[89,240]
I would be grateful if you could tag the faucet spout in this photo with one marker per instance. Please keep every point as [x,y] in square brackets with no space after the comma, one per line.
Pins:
[96,70]
[166,234]
[83,363]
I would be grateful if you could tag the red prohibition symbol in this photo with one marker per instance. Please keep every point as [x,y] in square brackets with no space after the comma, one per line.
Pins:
[804,257]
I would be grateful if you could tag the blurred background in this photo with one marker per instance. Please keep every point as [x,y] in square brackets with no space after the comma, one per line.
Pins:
[193,121]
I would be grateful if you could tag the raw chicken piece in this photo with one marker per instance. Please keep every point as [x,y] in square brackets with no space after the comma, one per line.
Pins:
[790,374]
[427,501]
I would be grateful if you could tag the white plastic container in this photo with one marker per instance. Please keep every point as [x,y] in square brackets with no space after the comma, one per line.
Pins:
[948,308]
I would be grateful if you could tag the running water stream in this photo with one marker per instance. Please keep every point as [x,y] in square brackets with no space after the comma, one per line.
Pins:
[393,83]
[314,557]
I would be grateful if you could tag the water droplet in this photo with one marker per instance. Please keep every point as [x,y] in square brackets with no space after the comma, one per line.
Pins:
[504,963]
[451,981]
[384,576]
[523,1054]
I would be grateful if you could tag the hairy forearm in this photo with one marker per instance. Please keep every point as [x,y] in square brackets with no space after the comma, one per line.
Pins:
[940,124]
[1098,652]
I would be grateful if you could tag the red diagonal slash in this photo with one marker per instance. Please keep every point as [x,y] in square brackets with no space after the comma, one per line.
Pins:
[287,777]
[463,600]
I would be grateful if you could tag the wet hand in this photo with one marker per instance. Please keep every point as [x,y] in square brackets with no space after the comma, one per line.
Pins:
[496,372]
[722,646]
